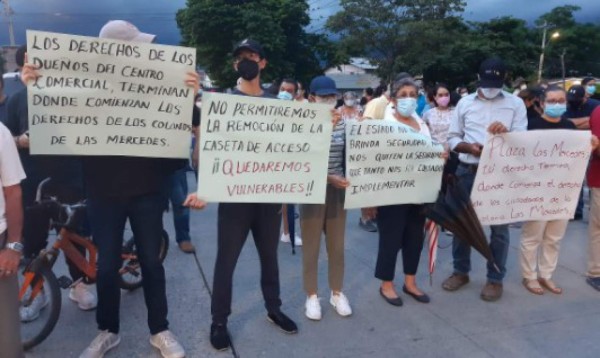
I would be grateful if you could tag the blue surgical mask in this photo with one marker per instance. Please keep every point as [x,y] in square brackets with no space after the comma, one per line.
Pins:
[285,96]
[406,106]
[490,93]
[555,110]
[590,89]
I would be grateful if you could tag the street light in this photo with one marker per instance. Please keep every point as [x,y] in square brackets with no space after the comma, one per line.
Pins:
[555,35]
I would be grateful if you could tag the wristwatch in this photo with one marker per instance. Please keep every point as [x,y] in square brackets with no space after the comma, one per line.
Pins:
[15,246]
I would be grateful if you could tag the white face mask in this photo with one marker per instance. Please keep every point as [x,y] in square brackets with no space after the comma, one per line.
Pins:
[490,93]
[330,101]
[523,87]
[349,102]
[406,106]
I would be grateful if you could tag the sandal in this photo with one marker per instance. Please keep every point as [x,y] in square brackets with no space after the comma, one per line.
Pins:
[533,286]
[550,286]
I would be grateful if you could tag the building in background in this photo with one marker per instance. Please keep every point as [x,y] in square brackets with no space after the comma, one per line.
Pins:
[356,75]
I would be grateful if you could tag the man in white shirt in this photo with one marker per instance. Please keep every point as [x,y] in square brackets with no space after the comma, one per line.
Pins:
[488,110]
[11,226]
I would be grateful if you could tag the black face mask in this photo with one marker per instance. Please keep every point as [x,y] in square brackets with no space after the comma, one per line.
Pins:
[248,69]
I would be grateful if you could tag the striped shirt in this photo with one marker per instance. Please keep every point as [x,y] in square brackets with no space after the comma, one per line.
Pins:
[336,152]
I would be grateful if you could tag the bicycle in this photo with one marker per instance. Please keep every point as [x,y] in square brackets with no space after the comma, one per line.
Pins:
[36,278]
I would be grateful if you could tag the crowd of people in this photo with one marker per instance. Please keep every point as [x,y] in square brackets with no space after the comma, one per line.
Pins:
[120,189]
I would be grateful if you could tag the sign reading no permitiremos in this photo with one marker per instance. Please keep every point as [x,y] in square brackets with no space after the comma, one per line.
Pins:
[108,97]
[389,163]
[261,150]
[534,175]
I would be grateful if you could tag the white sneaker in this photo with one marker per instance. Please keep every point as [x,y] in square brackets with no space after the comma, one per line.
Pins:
[286,238]
[341,304]
[83,295]
[32,312]
[313,308]
[167,344]
[104,342]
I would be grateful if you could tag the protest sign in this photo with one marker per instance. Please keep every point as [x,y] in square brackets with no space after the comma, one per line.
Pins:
[261,150]
[389,163]
[109,97]
[534,175]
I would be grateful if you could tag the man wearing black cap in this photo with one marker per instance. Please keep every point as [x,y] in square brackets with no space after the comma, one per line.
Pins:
[579,110]
[236,220]
[491,110]
[580,106]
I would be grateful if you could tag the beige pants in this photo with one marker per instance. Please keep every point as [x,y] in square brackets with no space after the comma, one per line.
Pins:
[594,232]
[10,324]
[540,243]
[329,218]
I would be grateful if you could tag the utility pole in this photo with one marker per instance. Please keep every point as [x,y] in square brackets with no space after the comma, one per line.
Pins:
[545,29]
[562,64]
[8,12]
[544,44]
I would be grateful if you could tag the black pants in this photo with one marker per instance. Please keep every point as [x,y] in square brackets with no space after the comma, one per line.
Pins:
[235,221]
[400,227]
[108,216]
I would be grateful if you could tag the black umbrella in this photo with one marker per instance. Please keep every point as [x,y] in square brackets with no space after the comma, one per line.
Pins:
[454,212]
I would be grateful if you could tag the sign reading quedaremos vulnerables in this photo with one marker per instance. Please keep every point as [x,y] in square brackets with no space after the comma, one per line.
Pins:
[534,175]
[109,97]
[389,163]
[261,150]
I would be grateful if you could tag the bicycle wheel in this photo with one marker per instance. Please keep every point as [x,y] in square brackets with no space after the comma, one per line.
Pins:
[131,273]
[40,302]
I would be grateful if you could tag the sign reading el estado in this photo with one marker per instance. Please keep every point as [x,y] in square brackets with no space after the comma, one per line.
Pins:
[109,97]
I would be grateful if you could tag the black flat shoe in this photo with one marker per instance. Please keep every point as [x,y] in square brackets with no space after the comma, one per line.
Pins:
[392,301]
[219,337]
[420,298]
[283,322]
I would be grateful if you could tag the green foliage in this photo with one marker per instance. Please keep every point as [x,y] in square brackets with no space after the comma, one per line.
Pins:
[213,27]
[428,37]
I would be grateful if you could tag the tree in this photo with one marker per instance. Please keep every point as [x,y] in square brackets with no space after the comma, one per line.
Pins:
[580,43]
[213,27]
[397,35]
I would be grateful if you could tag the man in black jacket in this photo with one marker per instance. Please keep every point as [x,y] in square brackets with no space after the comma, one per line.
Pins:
[121,188]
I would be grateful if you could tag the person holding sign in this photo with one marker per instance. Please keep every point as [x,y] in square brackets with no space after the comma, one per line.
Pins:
[122,188]
[489,110]
[401,226]
[329,218]
[236,220]
[540,240]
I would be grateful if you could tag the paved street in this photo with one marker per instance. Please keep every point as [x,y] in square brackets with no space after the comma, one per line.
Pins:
[452,325]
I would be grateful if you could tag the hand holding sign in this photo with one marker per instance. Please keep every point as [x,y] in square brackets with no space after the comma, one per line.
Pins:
[338,181]
[497,128]
[194,202]
[29,72]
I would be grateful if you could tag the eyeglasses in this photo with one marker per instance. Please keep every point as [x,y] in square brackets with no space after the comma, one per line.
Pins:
[553,101]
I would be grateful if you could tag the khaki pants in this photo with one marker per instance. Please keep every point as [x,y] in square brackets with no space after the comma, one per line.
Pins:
[10,324]
[328,218]
[545,236]
[594,233]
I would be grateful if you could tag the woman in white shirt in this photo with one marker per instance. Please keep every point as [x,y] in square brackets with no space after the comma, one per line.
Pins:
[438,117]
[401,226]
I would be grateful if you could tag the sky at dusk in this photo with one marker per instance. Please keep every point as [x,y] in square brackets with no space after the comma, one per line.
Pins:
[86,17]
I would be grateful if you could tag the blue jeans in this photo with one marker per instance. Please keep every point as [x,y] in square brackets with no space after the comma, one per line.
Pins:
[499,239]
[178,190]
[108,217]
